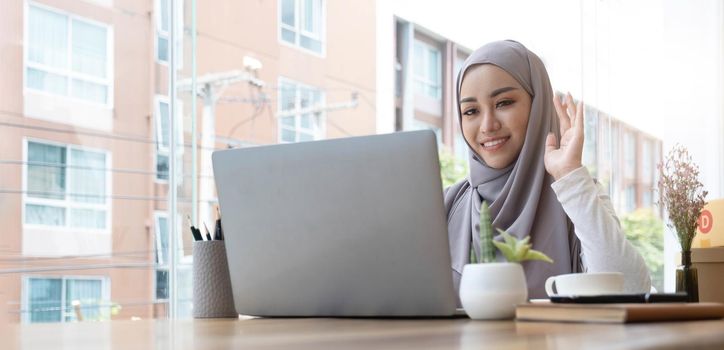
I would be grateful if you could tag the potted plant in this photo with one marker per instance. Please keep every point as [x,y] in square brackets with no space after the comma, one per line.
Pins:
[682,194]
[490,289]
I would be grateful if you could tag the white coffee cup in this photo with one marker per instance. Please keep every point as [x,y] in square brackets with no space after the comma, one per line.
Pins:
[592,283]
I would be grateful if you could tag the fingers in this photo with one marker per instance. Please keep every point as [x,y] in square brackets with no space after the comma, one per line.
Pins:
[580,109]
[571,107]
[565,121]
[551,142]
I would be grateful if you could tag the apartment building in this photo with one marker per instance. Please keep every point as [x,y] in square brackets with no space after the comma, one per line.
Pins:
[86,133]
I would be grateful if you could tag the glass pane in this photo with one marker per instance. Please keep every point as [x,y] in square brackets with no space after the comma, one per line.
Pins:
[161,167]
[161,284]
[418,59]
[44,215]
[164,133]
[288,97]
[44,300]
[311,17]
[46,171]
[88,294]
[88,91]
[162,49]
[162,244]
[289,36]
[306,121]
[163,4]
[48,82]
[288,122]
[47,37]
[288,12]
[303,136]
[87,176]
[433,73]
[88,218]
[310,43]
[89,49]
[288,135]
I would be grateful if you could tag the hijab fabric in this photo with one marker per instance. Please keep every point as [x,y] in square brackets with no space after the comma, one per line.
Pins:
[520,196]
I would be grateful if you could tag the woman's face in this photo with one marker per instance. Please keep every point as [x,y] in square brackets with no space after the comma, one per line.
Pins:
[495,110]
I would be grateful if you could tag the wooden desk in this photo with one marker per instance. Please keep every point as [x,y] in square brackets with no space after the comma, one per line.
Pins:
[361,334]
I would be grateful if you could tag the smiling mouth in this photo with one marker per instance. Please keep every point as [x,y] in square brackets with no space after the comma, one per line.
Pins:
[495,144]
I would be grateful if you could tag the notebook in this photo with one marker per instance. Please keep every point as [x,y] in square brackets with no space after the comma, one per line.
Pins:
[618,313]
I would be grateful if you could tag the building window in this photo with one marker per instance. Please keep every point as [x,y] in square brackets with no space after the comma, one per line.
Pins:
[630,198]
[66,187]
[163,27]
[162,250]
[647,162]
[428,70]
[629,148]
[52,299]
[163,135]
[301,117]
[68,56]
[301,23]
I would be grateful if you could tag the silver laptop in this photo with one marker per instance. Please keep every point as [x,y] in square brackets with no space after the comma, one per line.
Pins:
[344,227]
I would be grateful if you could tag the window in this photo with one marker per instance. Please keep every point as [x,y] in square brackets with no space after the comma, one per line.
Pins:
[428,70]
[647,162]
[163,135]
[51,299]
[300,112]
[163,26]
[66,187]
[163,247]
[69,56]
[629,148]
[630,198]
[301,23]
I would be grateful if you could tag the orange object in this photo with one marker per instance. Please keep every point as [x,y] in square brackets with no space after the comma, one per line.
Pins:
[710,231]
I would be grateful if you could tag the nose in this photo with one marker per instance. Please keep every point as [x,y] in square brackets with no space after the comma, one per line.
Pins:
[489,123]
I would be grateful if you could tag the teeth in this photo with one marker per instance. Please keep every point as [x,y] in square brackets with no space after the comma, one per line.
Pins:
[494,143]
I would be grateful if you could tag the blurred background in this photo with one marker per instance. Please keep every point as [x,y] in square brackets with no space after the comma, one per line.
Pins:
[110,109]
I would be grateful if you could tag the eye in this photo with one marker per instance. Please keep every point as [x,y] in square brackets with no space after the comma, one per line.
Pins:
[504,103]
[470,111]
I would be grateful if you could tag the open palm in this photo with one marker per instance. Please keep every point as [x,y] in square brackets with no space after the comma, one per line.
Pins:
[562,159]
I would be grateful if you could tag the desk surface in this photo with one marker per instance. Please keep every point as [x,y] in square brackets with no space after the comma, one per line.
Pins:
[363,334]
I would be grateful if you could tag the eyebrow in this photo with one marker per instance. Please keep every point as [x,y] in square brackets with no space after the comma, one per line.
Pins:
[492,94]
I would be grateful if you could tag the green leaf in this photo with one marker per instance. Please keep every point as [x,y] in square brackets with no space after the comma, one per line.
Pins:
[536,255]
[506,250]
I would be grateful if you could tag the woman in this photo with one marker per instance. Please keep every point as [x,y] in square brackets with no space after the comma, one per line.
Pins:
[526,146]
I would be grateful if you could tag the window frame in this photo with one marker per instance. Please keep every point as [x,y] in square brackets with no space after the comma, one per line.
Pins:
[426,64]
[160,151]
[25,292]
[66,202]
[165,33]
[68,72]
[299,30]
[321,130]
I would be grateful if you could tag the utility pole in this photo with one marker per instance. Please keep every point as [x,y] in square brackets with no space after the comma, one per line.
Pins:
[209,88]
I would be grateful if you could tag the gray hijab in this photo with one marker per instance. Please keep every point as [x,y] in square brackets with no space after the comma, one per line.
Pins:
[520,196]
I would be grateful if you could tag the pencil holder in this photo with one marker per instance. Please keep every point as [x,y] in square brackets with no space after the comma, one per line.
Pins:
[212,287]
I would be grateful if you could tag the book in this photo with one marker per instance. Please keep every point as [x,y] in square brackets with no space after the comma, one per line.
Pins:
[618,313]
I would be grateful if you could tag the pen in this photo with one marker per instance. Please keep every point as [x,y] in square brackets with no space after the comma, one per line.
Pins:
[218,234]
[208,235]
[194,231]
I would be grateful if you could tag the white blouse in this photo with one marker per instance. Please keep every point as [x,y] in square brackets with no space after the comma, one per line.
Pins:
[604,247]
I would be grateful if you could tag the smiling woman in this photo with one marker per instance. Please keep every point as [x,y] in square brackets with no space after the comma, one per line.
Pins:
[526,163]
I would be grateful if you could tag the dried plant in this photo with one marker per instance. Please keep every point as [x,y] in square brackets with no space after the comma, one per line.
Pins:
[681,192]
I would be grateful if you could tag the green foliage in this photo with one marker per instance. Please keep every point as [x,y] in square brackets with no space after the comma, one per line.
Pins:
[452,169]
[516,250]
[487,250]
[645,231]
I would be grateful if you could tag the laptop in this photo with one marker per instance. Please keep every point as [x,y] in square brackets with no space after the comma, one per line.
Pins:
[351,227]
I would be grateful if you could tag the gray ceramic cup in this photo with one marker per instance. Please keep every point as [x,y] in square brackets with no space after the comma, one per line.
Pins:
[212,287]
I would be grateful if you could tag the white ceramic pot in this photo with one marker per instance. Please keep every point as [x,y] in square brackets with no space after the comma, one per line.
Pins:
[491,291]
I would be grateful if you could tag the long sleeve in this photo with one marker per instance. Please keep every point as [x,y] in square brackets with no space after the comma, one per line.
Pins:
[604,247]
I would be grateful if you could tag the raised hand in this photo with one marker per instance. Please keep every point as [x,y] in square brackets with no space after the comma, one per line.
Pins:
[562,159]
